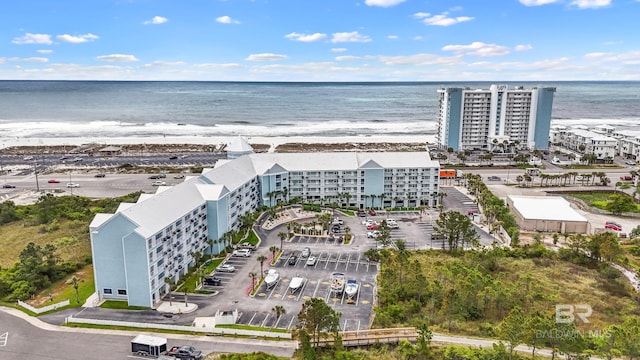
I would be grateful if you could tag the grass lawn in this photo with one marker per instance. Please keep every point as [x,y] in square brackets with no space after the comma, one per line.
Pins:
[71,240]
[120,305]
[189,284]
[64,290]
[254,328]
[596,199]
[252,238]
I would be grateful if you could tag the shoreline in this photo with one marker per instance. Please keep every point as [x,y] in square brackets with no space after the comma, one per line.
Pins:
[263,143]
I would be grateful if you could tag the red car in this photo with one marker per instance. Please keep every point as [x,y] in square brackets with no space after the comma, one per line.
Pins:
[53,181]
[372,212]
[626,178]
[613,226]
[372,227]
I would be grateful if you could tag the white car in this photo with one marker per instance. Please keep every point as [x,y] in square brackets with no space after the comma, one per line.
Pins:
[27,158]
[630,162]
[369,222]
[242,252]
[373,234]
[73,185]
[158,183]
[226,268]
[311,261]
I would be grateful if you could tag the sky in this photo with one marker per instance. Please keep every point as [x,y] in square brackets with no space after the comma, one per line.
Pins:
[320,40]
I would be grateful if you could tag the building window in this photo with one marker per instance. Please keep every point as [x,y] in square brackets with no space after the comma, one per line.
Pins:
[106,291]
[122,292]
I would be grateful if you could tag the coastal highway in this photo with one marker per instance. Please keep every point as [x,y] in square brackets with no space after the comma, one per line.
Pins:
[113,185]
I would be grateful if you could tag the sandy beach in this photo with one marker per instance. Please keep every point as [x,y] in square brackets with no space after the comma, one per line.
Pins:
[261,144]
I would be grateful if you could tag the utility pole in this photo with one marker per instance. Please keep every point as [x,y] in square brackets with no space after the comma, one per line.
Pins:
[35,170]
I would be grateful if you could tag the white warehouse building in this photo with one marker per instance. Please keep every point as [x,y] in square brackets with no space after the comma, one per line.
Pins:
[139,246]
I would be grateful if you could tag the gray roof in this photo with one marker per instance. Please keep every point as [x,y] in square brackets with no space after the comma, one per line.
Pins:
[240,145]
[545,208]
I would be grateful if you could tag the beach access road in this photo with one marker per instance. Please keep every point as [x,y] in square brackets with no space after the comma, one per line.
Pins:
[28,338]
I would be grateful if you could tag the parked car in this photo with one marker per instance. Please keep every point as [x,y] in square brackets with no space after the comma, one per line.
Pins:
[337,221]
[494,178]
[306,252]
[101,175]
[8,186]
[242,252]
[372,212]
[212,280]
[158,183]
[392,224]
[437,236]
[614,227]
[630,162]
[293,259]
[53,181]
[373,234]
[73,185]
[361,213]
[579,178]
[311,261]
[178,176]
[185,353]
[226,268]
[246,245]
[626,178]
[372,227]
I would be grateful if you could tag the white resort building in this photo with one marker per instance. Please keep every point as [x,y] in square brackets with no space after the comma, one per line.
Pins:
[500,118]
[145,246]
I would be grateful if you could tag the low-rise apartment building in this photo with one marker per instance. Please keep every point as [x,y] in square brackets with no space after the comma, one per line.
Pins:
[144,247]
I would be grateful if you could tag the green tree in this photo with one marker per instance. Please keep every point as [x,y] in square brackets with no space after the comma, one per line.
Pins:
[457,230]
[74,282]
[512,330]
[316,319]
[169,282]
[274,250]
[620,203]
[283,236]
[423,342]
[278,311]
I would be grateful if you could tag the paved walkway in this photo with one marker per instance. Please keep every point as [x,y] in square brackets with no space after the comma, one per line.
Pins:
[287,215]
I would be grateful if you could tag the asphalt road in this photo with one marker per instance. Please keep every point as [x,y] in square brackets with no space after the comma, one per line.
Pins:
[36,340]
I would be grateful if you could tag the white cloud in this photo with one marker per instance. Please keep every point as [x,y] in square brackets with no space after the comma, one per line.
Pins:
[353,36]
[44,51]
[219,66]
[523,47]
[266,57]
[29,38]
[29,59]
[306,37]
[383,3]
[478,48]
[537,2]
[590,4]
[226,20]
[156,20]
[629,58]
[338,49]
[347,58]
[117,58]
[420,60]
[77,39]
[417,38]
[441,20]
[392,37]
[159,63]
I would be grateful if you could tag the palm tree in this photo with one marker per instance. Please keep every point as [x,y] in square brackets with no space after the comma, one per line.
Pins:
[282,236]
[168,281]
[278,311]
[261,259]
[253,277]
[211,242]
[74,282]
[274,250]
[440,196]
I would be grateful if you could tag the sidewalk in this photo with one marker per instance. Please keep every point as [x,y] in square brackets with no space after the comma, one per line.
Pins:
[287,215]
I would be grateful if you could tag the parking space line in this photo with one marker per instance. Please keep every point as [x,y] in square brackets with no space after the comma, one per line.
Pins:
[251,320]
[316,290]
[265,320]
[291,322]
[304,285]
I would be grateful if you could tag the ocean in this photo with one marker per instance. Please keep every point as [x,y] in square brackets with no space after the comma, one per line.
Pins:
[118,109]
